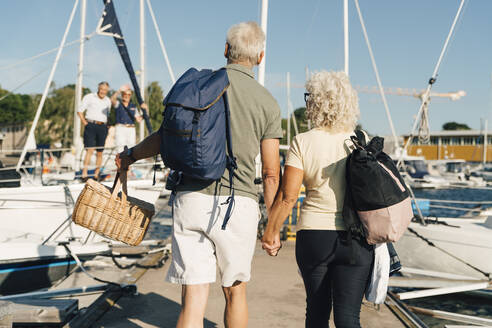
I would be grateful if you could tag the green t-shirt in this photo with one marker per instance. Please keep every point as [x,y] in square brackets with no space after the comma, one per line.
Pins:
[255,115]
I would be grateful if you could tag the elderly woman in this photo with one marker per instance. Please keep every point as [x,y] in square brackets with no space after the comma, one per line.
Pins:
[126,117]
[317,159]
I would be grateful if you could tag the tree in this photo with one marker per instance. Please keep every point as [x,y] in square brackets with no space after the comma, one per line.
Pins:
[455,126]
[56,120]
[155,96]
[15,108]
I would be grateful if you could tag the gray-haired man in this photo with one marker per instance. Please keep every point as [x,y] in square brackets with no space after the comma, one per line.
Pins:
[199,244]
[96,107]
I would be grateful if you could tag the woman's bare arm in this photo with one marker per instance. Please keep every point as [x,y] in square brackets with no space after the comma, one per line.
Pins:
[284,201]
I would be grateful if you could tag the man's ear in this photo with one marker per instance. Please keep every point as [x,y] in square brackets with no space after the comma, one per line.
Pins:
[260,57]
[226,50]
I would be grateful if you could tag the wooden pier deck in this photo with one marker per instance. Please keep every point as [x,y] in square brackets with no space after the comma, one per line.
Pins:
[276,298]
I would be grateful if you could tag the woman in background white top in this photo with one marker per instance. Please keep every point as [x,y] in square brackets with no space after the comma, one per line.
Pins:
[317,158]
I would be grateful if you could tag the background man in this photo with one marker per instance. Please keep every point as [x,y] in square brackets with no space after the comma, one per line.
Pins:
[199,244]
[126,117]
[96,107]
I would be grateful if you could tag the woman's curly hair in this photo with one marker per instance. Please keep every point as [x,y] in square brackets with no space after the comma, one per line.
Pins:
[332,103]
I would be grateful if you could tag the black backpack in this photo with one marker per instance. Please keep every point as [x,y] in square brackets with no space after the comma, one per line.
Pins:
[377,204]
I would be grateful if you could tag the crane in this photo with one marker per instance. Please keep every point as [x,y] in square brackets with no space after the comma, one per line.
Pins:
[424,131]
[454,95]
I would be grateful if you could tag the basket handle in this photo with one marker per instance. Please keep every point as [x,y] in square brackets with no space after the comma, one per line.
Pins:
[120,183]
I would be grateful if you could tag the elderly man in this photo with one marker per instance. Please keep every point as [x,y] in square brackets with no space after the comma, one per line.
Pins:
[96,107]
[199,244]
[126,117]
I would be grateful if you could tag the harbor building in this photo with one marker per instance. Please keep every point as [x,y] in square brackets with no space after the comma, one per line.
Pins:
[469,145]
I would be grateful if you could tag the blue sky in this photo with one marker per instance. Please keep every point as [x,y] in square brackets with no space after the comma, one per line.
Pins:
[407,37]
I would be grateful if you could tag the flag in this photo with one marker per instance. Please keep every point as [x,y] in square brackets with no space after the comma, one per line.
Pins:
[109,25]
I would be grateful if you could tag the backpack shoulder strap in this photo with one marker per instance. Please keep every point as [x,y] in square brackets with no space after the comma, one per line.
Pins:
[361,137]
[231,161]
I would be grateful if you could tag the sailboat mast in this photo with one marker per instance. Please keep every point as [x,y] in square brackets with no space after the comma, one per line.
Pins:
[346,37]
[263,19]
[485,145]
[77,143]
[142,61]
[30,135]
[288,108]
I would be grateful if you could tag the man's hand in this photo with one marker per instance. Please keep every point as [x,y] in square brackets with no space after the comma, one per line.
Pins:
[271,243]
[144,106]
[123,161]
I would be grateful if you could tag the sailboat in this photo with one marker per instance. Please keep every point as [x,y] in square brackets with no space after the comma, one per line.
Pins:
[36,218]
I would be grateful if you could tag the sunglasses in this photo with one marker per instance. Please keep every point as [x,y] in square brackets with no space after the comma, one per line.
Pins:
[307,95]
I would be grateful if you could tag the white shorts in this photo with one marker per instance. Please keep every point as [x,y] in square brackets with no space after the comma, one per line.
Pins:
[124,136]
[199,244]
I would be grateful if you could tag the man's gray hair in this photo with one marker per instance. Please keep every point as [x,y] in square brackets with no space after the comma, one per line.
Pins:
[246,41]
[103,83]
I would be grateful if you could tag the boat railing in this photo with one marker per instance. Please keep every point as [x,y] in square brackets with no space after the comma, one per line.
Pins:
[43,161]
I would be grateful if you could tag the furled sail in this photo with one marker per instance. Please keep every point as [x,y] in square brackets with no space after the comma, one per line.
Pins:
[109,25]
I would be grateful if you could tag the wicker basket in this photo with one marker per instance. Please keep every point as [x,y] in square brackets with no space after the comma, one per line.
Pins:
[111,214]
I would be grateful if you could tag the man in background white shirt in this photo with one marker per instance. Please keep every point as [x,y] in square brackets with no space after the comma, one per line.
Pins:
[96,107]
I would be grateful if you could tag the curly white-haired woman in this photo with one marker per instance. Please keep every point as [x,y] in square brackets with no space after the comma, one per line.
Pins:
[317,158]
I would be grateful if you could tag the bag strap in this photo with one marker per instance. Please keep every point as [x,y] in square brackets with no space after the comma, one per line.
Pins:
[120,183]
[128,112]
[359,139]
[231,162]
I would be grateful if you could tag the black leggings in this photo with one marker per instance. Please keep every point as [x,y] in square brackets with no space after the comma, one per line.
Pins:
[323,256]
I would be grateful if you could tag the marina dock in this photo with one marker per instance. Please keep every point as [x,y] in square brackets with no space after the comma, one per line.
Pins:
[276,298]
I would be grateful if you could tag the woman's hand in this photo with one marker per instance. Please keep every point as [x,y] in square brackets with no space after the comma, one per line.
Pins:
[271,242]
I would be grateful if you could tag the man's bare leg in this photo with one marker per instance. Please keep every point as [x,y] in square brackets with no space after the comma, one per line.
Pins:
[87,160]
[193,304]
[236,310]
[99,158]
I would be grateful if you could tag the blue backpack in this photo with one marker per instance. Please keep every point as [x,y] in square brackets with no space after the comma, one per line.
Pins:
[195,131]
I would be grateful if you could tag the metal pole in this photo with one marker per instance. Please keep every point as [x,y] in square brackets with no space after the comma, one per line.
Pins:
[288,109]
[346,36]
[163,48]
[142,62]
[307,78]
[263,18]
[77,143]
[47,87]
[378,79]
[485,144]
[432,80]
[443,291]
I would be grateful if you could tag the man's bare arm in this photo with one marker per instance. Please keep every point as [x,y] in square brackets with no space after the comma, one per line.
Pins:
[82,118]
[149,147]
[270,170]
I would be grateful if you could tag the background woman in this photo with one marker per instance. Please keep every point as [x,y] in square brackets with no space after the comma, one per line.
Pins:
[317,158]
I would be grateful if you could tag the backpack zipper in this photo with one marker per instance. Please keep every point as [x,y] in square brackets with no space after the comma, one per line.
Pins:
[195,133]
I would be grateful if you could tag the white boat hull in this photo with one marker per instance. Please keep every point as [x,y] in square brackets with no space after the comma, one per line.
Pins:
[468,243]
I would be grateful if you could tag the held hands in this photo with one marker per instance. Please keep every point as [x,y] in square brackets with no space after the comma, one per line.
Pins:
[271,243]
